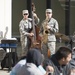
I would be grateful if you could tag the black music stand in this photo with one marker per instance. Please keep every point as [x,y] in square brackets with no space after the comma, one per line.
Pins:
[10,44]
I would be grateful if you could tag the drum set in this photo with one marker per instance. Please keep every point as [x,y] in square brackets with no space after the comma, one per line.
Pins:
[70,40]
[62,40]
[62,37]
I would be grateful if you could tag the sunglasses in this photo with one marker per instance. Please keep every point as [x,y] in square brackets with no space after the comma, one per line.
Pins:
[48,12]
[25,14]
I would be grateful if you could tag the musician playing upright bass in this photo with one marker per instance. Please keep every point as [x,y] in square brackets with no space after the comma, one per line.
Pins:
[47,31]
[25,28]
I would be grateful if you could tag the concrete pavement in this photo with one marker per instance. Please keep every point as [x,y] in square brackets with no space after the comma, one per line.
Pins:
[4,72]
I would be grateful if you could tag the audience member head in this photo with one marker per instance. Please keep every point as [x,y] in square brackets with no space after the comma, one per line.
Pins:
[64,55]
[34,56]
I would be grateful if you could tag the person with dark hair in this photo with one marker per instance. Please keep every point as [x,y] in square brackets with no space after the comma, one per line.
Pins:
[35,57]
[33,61]
[59,62]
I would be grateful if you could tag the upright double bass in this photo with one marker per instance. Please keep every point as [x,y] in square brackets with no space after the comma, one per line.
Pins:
[36,41]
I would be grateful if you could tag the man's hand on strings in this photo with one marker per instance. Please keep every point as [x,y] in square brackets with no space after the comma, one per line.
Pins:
[31,34]
[35,15]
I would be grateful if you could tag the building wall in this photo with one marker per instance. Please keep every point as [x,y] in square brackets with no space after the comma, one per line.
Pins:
[6,17]
[58,7]
[17,7]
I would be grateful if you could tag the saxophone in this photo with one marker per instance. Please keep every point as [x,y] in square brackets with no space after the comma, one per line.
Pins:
[45,31]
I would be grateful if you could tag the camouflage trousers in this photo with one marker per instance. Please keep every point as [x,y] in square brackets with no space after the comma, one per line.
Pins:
[25,47]
[48,46]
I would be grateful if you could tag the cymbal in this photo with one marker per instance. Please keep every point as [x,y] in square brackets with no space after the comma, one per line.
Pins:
[58,35]
[63,37]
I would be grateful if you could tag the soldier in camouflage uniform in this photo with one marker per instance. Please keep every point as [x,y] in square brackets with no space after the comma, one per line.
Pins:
[25,28]
[51,25]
